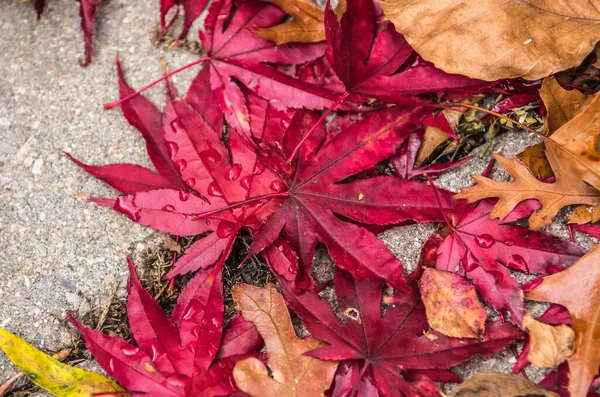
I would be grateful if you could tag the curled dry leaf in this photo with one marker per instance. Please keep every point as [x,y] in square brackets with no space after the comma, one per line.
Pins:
[451,304]
[294,373]
[549,345]
[496,384]
[578,289]
[495,39]
[52,375]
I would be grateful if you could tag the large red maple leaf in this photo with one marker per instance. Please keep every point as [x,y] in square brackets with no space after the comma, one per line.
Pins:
[394,351]
[483,250]
[185,355]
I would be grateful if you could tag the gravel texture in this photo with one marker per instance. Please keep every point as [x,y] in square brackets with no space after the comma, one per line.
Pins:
[61,253]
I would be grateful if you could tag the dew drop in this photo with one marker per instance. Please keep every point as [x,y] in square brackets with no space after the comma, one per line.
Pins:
[259,168]
[485,241]
[192,348]
[277,186]
[177,126]
[237,212]
[189,313]
[214,190]
[126,205]
[207,222]
[172,148]
[517,262]
[181,165]
[233,172]
[190,182]
[509,242]
[246,182]
[292,269]
[195,331]
[225,229]
[111,364]
[168,208]
[210,156]
[130,351]
[183,195]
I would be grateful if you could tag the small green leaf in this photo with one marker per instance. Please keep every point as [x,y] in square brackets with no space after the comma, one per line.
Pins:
[52,375]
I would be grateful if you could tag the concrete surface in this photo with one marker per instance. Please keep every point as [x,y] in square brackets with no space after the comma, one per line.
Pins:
[59,252]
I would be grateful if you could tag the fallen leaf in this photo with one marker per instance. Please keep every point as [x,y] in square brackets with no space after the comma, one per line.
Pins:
[583,214]
[389,346]
[534,158]
[578,289]
[451,304]
[567,190]
[306,25]
[191,11]
[495,39]
[174,356]
[294,374]
[549,345]
[496,384]
[51,375]
[87,13]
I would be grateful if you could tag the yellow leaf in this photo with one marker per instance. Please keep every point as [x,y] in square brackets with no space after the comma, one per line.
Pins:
[52,375]
[495,39]
[294,374]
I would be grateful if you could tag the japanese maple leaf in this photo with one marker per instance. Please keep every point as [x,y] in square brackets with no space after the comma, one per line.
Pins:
[394,351]
[191,11]
[483,250]
[175,356]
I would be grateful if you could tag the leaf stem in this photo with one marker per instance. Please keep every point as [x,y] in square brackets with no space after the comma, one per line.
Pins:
[239,203]
[166,76]
[363,370]
[314,127]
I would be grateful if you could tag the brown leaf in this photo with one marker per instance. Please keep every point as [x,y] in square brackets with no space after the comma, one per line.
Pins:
[583,214]
[562,105]
[172,245]
[451,304]
[496,384]
[434,137]
[552,196]
[549,345]
[534,157]
[294,374]
[306,26]
[495,39]
[578,289]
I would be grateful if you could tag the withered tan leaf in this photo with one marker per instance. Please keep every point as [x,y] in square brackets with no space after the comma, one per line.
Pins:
[306,25]
[294,374]
[434,137]
[451,304]
[496,384]
[494,39]
[549,345]
[552,196]
[583,214]
[578,289]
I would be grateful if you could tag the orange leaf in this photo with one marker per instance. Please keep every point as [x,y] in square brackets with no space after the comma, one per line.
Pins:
[294,374]
[451,304]
[578,289]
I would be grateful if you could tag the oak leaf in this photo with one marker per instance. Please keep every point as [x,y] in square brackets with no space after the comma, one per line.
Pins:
[53,376]
[549,345]
[567,190]
[578,289]
[294,374]
[496,384]
[451,304]
[494,39]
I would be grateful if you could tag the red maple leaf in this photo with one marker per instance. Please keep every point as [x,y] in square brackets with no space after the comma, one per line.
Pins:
[483,250]
[393,352]
[191,11]
[185,355]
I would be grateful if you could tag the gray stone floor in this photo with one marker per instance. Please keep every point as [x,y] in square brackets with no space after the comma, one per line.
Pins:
[58,252]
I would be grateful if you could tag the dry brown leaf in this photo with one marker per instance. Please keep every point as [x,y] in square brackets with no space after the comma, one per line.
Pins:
[534,157]
[549,345]
[496,384]
[578,289]
[552,196]
[172,245]
[495,39]
[583,214]
[451,304]
[293,373]
[434,137]
[306,26]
